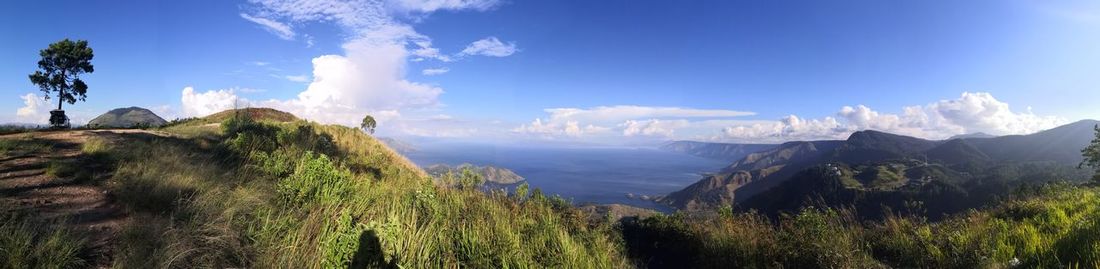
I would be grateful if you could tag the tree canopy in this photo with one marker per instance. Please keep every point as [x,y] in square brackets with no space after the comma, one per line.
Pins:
[1092,155]
[59,72]
[368,124]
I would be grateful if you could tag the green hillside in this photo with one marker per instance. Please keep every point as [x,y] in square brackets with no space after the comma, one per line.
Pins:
[302,195]
[126,118]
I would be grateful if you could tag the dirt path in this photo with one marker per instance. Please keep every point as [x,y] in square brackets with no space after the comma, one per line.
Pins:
[76,201]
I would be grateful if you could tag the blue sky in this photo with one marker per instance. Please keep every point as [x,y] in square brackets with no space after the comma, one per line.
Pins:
[580,71]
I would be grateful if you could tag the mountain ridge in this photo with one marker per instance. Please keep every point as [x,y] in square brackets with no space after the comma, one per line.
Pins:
[715,150]
[759,172]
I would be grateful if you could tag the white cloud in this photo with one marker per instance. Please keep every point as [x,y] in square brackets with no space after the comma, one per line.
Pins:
[557,129]
[615,114]
[427,6]
[210,102]
[971,112]
[299,78]
[628,121]
[789,128]
[653,127]
[277,28]
[260,63]
[309,40]
[424,50]
[34,110]
[435,71]
[369,76]
[490,46]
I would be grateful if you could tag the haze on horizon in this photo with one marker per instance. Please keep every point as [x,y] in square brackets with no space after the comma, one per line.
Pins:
[607,72]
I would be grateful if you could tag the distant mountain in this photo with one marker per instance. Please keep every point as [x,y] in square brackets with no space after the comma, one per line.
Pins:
[1043,155]
[491,174]
[872,145]
[957,151]
[720,151]
[786,153]
[397,145]
[971,135]
[726,186]
[712,190]
[936,190]
[1062,144]
[126,117]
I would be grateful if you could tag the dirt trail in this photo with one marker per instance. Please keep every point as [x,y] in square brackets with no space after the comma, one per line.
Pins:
[78,202]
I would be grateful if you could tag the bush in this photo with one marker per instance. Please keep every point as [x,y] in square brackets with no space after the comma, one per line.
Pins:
[316,179]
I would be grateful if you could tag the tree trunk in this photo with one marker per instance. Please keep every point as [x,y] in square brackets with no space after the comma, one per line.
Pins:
[61,89]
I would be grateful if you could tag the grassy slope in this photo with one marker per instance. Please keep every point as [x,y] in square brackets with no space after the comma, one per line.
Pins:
[199,201]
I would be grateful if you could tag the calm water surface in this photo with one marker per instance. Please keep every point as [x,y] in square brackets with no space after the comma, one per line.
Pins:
[586,175]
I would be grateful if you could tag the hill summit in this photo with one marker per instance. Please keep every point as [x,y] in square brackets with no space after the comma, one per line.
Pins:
[127,117]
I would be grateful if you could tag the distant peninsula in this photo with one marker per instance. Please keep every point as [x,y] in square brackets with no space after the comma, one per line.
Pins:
[490,173]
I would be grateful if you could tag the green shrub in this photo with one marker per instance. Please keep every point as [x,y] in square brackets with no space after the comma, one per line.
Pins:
[316,179]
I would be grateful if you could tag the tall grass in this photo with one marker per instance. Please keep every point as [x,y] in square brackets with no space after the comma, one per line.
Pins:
[302,195]
[1057,228]
[27,243]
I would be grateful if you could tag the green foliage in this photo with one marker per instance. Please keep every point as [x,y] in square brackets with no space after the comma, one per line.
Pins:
[824,238]
[315,180]
[59,72]
[341,241]
[521,191]
[1092,155]
[470,179]
[368,124]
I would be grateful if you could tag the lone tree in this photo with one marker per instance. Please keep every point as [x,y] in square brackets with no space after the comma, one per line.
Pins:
[1092,155]
[59,71]
[368,124]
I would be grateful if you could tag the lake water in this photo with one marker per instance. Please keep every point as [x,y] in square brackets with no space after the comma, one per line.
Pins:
[585,175]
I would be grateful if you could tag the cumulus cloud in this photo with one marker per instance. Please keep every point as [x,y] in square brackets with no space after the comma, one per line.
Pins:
[435,71]
[553,129]
[489,46]
[277,28]
[368,77]
[787,129]
[653,127]
[971,112]
[196,104]
[34,110]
